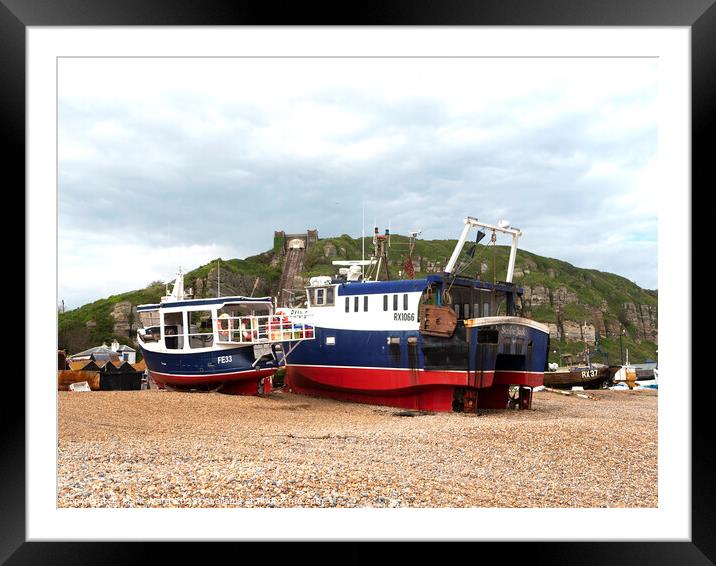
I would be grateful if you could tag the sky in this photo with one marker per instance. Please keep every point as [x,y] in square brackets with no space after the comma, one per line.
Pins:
[174,162]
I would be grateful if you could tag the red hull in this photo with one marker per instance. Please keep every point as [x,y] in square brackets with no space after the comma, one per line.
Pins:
[411,389]
[247,382]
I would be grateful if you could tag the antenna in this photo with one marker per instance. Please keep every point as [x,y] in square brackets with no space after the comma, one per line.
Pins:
[362,234]
[218,277]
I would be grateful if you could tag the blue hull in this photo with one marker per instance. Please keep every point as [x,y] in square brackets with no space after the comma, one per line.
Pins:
[210,370]
[411,370]
[372,349]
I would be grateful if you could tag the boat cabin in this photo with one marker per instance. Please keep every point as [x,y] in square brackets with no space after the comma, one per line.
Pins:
[401,300]
[202,323]
[471,298]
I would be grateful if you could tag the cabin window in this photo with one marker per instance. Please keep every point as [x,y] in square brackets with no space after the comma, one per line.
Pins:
[395,302]
[365,303]
[173,331]
[348,304]
[485,309]
[201,333]
[466,310]
[405,301]
[385,302]
[355,304]
[476,310]
[456,306]
[149,318]
[323,297]
[150,325]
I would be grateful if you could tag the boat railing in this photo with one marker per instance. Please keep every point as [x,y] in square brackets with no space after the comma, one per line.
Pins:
[260,329]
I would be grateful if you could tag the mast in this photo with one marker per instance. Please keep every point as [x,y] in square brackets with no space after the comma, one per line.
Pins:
[379,259]
[178,290]
[374,258]
[218,277]
[177,293]
[408,264]
[384,252]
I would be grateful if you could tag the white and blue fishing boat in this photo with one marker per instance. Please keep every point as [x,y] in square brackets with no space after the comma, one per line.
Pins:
[440,343]
[227,344]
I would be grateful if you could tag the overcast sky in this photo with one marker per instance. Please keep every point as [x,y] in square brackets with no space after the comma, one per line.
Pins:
[169,162]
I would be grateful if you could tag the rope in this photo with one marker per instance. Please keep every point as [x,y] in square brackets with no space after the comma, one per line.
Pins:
[447,299]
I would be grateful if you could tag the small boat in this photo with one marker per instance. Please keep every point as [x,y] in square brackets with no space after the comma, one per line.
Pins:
[649,383]
[441,343]
[227,344]
[591,376]
[635,375]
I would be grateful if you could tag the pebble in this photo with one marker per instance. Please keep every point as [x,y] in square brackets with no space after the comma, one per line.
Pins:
[171,449]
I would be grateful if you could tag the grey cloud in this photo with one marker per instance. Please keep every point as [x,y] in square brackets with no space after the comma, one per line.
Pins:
[221,186]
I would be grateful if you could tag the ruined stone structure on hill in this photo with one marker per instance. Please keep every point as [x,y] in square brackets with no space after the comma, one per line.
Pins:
[292,247]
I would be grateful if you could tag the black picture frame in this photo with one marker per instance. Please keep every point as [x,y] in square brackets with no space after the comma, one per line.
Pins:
[699,15]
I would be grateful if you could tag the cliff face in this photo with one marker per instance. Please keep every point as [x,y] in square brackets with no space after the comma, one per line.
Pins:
[124,318]
[595,323]
[643,318]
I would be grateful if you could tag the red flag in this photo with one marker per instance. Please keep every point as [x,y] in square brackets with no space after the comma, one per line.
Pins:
[408,267]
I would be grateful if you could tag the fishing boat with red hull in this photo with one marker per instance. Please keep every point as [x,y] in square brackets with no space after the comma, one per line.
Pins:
[228,344]
[440,343]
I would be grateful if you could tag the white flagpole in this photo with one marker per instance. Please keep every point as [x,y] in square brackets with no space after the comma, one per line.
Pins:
[362,239]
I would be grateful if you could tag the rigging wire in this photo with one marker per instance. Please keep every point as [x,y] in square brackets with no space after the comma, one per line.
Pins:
[463,266]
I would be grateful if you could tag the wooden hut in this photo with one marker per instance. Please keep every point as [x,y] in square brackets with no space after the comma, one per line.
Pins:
[119,375]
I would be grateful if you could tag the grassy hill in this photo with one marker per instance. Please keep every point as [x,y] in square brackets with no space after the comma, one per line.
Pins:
[556,293]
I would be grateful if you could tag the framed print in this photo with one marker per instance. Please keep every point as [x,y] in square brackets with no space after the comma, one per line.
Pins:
[303,110]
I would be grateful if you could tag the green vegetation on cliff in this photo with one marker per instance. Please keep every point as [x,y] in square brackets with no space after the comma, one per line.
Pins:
[92,324]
